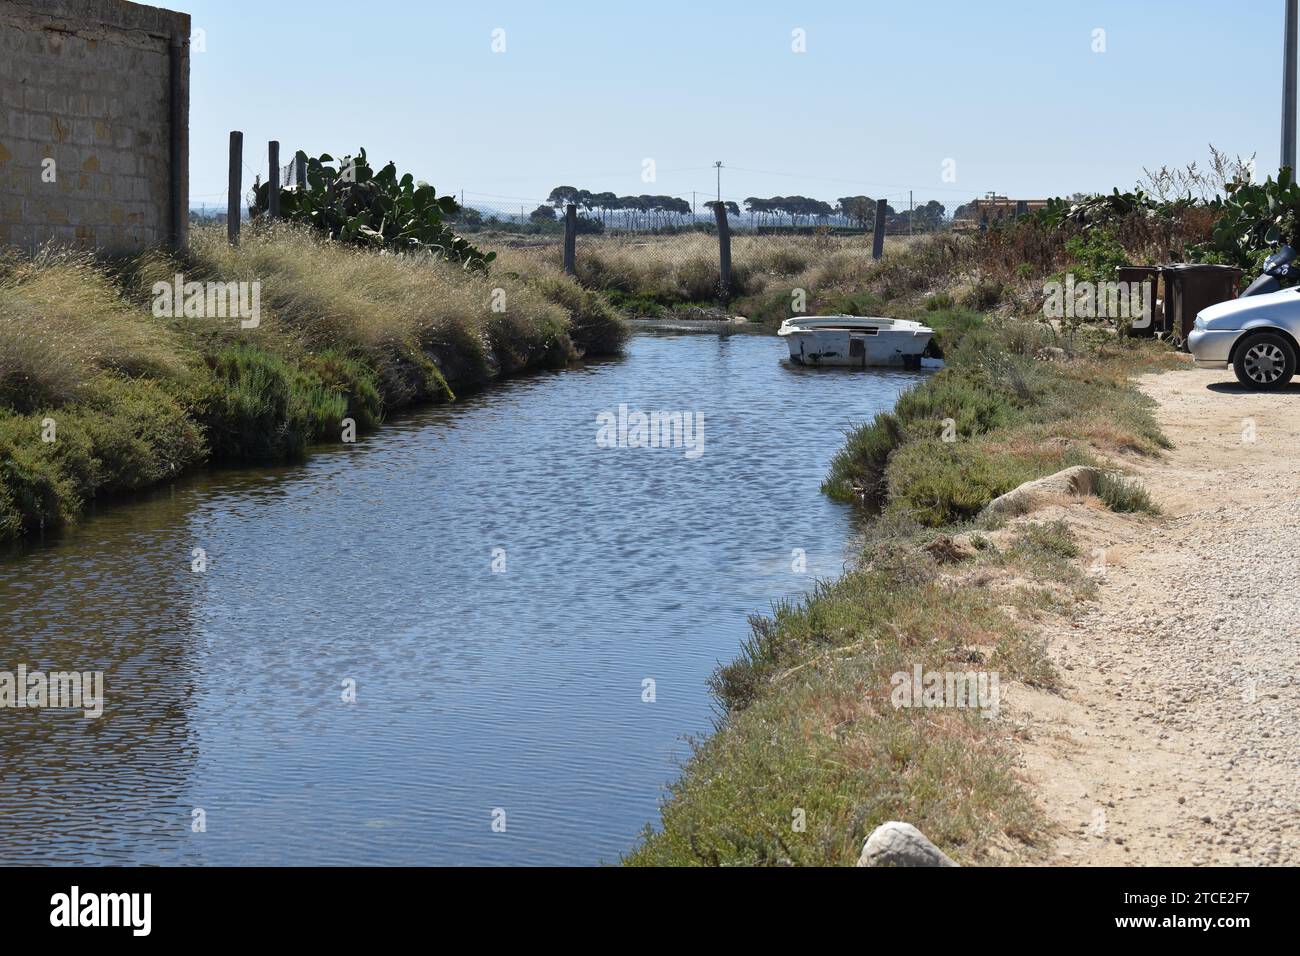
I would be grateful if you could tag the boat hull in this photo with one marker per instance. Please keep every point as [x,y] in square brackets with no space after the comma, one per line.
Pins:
[846,348]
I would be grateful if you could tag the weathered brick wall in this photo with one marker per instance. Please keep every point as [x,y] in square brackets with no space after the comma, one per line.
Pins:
[90,85]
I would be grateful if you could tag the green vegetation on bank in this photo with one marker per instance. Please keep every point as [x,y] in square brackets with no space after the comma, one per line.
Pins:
[1016,401]
[812,755]
[99,395]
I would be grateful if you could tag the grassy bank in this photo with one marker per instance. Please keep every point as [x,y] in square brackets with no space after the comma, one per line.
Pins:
[810,754]
[130,399]
[1017,400]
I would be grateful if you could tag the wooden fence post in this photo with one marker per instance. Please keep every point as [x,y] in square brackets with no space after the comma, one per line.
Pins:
[878,238]
[300,170]
[273,183]
[724,251]
[234,202]
[571,239]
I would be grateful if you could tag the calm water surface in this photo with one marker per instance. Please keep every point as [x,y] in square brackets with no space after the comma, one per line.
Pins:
[475,690]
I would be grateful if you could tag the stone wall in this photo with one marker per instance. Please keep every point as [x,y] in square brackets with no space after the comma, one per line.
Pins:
[94,118]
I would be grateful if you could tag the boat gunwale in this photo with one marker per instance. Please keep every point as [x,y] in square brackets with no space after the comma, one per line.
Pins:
[851,323]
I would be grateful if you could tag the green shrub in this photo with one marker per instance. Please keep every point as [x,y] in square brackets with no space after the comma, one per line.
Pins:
[139,432]
[951,326]
[128,434]
[956,394]
[960,394]
[263,409]
[858,468]
[36,489]
[860,303]
[939,483]
[1096,254]
[1054,539]
[354,381]
[1123,494]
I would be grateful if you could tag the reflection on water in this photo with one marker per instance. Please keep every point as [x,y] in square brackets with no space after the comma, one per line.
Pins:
[475,691]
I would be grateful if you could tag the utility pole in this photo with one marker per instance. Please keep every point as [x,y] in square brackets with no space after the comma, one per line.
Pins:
[719,165]
[911,210]
[1289,88]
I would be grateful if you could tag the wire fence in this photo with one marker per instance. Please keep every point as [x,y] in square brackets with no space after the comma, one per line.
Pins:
[681,248]
[668,215]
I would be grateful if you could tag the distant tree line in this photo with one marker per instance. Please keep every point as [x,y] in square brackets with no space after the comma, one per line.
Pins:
[858,211]
[629,212]
[606,209]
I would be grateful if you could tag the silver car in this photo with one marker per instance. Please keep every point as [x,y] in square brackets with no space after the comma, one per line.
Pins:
[1255,334]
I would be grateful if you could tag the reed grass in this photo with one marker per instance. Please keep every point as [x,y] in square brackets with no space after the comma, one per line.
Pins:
[344,333]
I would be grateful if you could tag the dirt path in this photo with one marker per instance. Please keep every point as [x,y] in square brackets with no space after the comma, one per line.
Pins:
[1177,737]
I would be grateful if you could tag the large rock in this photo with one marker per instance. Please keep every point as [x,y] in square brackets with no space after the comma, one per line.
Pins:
[901,844]
[1074,482]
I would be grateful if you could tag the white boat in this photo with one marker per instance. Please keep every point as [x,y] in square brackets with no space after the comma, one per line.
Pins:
[855,341]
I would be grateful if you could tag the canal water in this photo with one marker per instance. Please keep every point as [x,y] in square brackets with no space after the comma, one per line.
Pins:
[474,637]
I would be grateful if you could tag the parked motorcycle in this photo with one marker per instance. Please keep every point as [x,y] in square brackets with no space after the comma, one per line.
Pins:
[1276,268]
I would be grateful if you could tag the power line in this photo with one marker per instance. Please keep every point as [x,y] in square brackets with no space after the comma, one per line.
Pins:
[846,182]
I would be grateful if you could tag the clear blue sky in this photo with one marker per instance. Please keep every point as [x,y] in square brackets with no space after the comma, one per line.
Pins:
[885,92]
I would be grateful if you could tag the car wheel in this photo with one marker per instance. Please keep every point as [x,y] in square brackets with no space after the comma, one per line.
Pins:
[1264,361]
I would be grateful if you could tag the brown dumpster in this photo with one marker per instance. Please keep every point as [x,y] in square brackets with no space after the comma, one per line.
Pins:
[1191,287]
[1148,277]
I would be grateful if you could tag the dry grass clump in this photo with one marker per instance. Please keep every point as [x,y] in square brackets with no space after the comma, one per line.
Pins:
[63,323]
[399,313]
[332,293]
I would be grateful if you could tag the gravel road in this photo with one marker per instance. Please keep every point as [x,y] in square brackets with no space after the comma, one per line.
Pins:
[1177,738]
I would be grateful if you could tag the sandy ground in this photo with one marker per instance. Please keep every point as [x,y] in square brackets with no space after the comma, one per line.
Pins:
[1176,739]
